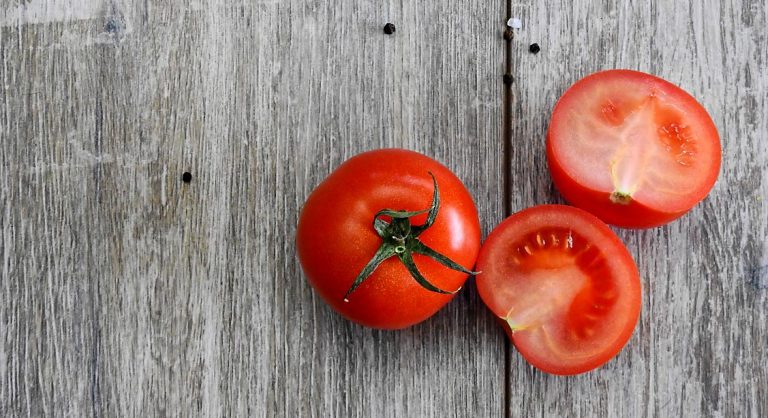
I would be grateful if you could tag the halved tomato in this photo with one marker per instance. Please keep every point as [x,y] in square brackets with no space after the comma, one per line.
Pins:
[564,286]
[632,149]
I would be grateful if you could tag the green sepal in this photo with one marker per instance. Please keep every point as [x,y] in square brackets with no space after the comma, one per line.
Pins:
[398,214]
[400,239]
[419,247]
[380,226]
[433,208]
[407,260]
[384,252]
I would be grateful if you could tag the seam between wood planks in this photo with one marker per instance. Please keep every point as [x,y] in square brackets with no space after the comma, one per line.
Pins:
[507,178]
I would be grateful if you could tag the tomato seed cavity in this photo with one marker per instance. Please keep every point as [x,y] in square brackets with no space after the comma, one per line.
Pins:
[678,140]
[562,249]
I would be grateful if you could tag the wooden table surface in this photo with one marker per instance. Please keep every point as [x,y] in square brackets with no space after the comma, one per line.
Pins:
[127,292]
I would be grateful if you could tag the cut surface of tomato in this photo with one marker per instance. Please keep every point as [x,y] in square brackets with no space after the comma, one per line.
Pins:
[631,148]
[563,284]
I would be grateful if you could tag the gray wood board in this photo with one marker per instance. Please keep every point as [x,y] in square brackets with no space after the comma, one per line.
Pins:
[127,292]
[701,346]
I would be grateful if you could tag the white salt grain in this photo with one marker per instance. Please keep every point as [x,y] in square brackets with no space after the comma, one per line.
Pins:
[515,23]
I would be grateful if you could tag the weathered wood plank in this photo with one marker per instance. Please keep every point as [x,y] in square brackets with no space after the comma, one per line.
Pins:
[127,292]
[108,272]
[432,87]
[700,347]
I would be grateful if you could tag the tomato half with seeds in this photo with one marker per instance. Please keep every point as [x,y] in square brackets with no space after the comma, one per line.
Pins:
[388,238]
[632,149]
[563,285]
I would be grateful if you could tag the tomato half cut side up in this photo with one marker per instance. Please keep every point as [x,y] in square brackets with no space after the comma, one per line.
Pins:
[632,149]
[563,285]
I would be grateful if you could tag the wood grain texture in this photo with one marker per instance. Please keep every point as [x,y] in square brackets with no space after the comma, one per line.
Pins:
[126,292]
[701,346]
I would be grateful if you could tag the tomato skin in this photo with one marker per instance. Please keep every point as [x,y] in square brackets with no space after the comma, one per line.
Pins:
[676,105]
[500,270]
[335,238]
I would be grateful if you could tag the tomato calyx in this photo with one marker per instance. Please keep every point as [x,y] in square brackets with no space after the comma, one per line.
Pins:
[401,239]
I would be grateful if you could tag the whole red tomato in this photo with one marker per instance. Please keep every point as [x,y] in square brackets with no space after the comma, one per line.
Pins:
[388,238]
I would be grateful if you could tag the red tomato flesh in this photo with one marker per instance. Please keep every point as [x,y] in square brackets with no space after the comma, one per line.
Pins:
[632,149]
[564,286]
